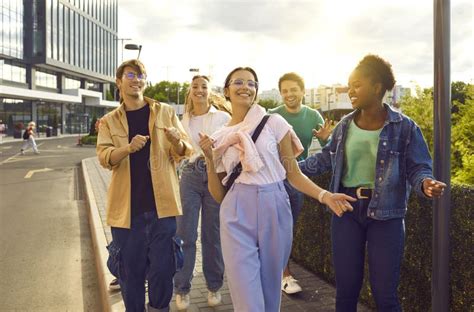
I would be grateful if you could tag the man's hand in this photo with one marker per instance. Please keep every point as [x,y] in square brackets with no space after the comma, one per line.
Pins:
[433,188]
[137,143]
[173,136]
[206,143]
[325,131]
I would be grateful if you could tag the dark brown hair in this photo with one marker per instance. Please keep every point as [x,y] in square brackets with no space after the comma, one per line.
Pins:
[249,69]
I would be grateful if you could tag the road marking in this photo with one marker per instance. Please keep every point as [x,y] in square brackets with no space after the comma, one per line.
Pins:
[12,158]
[32,172]
[25,158]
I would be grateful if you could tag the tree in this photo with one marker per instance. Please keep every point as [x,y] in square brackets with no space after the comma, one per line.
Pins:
[463,140]
[268,103]
[167,92]
[420,109]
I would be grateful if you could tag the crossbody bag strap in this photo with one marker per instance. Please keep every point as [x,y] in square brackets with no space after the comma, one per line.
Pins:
[238,169]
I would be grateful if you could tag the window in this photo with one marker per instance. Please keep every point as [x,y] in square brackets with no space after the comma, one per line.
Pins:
[46,80]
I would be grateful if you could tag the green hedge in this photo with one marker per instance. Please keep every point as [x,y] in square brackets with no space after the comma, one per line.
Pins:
[312,249]
[89,139]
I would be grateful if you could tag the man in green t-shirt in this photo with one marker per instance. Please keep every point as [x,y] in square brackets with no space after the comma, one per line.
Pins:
[306,122]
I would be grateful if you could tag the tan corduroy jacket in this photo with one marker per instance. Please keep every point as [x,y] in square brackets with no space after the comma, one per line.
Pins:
[113,133]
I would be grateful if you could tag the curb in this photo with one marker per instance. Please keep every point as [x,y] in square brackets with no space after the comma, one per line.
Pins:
[99,242]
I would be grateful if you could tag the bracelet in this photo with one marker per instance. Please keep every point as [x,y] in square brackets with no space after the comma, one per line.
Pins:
[321,195]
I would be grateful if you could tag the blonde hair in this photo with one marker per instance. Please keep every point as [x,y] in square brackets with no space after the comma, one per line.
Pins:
[214,99]
[188,104]
[218,101]
[32,124]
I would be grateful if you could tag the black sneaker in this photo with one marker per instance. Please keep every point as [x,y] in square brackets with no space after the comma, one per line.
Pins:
[114,284]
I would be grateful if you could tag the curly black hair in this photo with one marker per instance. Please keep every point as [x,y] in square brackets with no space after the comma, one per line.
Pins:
[379,70]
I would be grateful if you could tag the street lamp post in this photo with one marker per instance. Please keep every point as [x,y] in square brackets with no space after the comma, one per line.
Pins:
[134,47]
[194,70]
[122,40]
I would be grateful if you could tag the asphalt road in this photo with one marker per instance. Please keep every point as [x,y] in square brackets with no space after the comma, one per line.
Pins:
[46,255]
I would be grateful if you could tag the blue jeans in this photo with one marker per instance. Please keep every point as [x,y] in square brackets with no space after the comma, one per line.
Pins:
[196,199]
[385,243]
[296,201]
[146,250]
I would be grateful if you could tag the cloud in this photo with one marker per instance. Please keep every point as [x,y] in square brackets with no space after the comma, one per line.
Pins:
[322,40]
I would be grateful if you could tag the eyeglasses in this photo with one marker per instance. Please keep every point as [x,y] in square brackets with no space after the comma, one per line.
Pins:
[131,76]
[240,83]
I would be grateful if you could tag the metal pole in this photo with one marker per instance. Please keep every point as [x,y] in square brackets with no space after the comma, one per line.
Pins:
[442,146]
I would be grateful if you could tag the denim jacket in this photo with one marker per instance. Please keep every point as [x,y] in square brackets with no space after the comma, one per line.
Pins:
[403,161]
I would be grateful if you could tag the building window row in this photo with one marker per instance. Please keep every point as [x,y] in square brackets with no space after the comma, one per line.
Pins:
[11,28]
[46,80]
[103,11]
[71,83]
[75,39]
[10,72]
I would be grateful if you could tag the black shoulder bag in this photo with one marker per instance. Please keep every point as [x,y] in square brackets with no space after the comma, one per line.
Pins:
[238,169]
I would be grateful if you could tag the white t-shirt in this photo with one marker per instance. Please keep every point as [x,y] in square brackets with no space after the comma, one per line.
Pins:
[267,146]
[207,124]
[196,125]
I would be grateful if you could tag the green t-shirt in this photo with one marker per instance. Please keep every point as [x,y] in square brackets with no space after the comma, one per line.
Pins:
[360,156]
[303,123]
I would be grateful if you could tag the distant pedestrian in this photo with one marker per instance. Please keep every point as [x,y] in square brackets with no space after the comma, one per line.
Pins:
[199,117]
[377,155]
[29,139]
[141,141]
[306,122]
[255,216]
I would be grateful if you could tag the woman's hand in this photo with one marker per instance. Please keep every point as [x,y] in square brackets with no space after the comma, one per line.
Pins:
[338,202]
[433,188]
[206,144]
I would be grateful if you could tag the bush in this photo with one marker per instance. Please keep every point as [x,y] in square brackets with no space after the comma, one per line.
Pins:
[89,140]
[312,249]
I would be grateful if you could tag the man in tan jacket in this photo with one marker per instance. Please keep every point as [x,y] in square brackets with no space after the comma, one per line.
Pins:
[141,141]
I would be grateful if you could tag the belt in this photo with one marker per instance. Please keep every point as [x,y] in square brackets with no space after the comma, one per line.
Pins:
[364,192]
[360,192]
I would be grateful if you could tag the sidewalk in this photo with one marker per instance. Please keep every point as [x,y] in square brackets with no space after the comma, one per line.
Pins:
[317,295]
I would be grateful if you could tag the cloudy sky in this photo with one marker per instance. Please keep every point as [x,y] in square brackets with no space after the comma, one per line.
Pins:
[321,40]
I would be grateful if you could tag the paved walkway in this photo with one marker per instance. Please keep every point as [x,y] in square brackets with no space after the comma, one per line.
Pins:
[317,295]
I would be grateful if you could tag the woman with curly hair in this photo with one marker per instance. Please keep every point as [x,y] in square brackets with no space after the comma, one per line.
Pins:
[377,155]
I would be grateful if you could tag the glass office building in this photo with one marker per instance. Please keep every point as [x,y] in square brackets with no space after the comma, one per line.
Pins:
[57,63]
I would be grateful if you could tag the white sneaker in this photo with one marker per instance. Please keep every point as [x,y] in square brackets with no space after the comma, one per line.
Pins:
[182,302]
[114,284]
[289,285]
[214,298]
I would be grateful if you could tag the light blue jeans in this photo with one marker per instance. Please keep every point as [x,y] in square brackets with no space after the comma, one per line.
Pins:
[195,199]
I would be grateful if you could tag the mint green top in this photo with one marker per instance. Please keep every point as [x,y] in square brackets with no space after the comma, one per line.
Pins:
[303,123]
[360,156]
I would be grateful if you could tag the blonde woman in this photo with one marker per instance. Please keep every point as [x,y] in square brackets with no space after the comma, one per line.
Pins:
[200,117]
[29,139]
